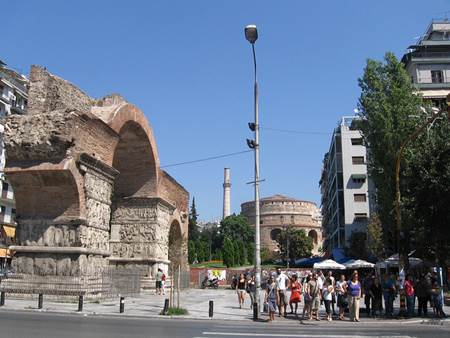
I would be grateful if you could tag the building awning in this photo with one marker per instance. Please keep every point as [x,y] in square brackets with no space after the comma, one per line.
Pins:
[4,252]
[434,94]
[9,231]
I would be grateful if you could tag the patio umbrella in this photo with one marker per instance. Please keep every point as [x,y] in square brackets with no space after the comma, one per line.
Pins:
[328,264]
[358,264]
[393,261]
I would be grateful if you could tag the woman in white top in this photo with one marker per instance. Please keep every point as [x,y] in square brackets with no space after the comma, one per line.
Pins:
[327,292]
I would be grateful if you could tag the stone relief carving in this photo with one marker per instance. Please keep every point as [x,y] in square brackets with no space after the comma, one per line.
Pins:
[42,234]
[127,214]
[97,188]
[98,214]
[94,238]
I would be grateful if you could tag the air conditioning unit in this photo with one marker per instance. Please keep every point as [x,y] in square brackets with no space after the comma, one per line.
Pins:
[12,97]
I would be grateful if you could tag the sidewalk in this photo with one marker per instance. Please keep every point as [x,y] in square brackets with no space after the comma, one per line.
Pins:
[196,301]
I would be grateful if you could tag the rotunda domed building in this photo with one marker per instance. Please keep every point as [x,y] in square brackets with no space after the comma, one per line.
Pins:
[279,212]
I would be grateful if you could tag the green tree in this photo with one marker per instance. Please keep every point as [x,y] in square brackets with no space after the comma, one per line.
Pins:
[391,113]
[242,253]
[237,228]
[193,227]
[357,245]
[427,194]
[266,255]
[228,252]
[191,252]
[386,105]
[300,245]
[237,253]
[251,253]
[375,244]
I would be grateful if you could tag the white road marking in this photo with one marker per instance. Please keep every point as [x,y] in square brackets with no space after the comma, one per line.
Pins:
[251,334]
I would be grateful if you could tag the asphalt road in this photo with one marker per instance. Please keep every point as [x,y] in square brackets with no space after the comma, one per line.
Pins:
[48,325]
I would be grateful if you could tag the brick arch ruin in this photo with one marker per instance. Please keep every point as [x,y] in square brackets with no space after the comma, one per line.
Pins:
[88,186]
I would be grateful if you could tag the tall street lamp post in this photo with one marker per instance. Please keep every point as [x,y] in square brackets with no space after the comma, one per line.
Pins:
[251,34]
[403,263]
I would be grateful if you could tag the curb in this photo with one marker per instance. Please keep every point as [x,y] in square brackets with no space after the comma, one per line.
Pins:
[289,322]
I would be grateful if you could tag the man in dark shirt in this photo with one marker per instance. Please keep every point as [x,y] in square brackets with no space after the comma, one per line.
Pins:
[376,294]
[423,288]
[368,281]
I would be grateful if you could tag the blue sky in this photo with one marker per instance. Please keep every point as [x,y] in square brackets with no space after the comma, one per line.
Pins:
[187,65]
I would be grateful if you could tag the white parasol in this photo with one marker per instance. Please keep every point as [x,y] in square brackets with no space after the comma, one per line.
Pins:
[358,264]
[328,264]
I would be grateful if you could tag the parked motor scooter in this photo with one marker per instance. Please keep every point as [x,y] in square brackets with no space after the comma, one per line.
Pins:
[210,283]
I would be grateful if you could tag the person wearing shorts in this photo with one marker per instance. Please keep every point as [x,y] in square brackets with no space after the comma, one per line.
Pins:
[241,286]
[282,282]
[158,278]
[314,292]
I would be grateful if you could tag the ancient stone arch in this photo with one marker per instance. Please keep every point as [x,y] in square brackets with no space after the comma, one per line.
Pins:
[88,186]
[313,235]
[274,233]
[175,244]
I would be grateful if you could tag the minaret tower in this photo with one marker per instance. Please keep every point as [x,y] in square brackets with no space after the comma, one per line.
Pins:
[226,193]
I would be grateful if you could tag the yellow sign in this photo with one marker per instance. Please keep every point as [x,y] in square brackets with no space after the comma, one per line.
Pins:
[9,231]
[4,252]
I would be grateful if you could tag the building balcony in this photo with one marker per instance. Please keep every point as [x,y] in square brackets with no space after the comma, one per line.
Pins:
[17,110]
[427,57]
[442,85]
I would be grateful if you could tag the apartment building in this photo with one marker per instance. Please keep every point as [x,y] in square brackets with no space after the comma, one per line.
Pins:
[13,100]
[428,62]
[345,185]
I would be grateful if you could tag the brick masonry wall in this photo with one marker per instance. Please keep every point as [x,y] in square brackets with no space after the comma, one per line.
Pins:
[49,93]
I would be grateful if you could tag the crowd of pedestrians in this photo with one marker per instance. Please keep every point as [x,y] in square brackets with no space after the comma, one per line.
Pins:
[286,290]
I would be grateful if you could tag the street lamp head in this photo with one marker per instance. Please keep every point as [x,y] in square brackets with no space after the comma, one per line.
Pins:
[251,33]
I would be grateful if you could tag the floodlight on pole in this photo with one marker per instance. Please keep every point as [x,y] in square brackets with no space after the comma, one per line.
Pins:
[251,33]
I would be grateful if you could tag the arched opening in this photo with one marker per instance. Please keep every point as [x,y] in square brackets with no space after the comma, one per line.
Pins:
[274,234]
[313,235]
[51,194]
[175,244]
[135,161]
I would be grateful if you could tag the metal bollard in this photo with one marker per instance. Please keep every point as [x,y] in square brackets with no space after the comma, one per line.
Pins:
[2,298]
[211,308]
[166,307]
[80,303]
[40,301]
[122,304]
[255,311]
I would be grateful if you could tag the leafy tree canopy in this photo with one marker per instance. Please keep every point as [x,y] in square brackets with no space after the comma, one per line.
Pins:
[300,245]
